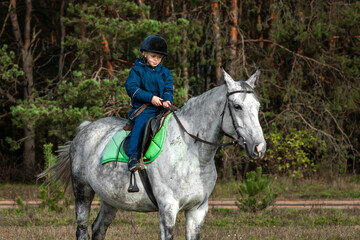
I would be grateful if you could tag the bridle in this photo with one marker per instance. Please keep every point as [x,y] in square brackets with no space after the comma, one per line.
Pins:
[235,125]
[227,104]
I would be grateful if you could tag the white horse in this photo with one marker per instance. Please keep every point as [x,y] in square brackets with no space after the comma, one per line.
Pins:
[183,175]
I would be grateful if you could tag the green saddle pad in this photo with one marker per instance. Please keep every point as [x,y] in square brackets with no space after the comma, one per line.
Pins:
[155,148]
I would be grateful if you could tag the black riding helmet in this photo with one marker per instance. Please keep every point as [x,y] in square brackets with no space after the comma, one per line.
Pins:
[155,44]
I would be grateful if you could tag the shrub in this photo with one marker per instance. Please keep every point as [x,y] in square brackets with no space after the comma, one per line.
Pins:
[255,193]
[293,153]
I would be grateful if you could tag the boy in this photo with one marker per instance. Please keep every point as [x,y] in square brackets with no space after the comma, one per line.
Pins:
[148,82]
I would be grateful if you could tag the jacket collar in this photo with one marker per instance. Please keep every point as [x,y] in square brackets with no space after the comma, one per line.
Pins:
[140,62]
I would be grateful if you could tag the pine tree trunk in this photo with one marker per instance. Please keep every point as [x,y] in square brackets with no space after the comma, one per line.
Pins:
[233,35]
[215,13]
[140,2]
[109,62]
[27,60]
[62,39]
[271,45]
[259,22]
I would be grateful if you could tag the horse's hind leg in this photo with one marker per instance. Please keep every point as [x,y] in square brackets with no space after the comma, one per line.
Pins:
[105,217]
[84,195]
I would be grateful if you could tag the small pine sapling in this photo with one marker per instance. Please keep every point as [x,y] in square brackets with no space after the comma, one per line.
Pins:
[256,193]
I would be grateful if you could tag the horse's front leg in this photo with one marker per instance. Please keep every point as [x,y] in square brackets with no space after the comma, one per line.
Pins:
[194,220]
[167,218]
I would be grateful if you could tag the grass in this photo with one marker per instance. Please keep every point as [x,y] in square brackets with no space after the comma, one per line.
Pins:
[339,188]
[37,223]
[344,188]
[24,191]
[41,223]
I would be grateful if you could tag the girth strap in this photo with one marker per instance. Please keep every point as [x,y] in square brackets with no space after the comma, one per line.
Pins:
[147,185]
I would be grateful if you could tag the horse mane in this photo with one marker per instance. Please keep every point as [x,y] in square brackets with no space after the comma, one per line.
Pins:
[197,100]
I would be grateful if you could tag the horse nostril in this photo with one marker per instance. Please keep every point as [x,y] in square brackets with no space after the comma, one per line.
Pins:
[258,149]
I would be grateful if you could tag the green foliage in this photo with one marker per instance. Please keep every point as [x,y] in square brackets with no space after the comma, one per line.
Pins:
[50,195]
[14,145]
[256,193]
[52,198]
[310,57]
[22,206]
[293,153]
[9,70]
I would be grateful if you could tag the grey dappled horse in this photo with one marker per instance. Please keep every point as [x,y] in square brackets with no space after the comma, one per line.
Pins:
[183,175]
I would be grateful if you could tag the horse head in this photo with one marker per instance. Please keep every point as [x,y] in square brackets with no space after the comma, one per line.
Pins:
[240,115]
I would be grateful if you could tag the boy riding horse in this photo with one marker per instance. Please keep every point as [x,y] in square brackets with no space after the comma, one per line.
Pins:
[148,83]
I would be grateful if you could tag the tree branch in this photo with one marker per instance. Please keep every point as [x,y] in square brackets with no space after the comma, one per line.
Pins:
[331,138]
[15,23]
[294,53]
[8,95]
[6,18]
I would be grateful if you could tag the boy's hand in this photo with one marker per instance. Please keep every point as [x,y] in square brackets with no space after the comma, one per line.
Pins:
[156,101]
[166,104]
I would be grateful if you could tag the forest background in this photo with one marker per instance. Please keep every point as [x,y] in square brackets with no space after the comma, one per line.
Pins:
[62,62]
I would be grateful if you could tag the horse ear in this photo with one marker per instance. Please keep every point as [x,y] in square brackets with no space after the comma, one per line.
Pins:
[252,80]
[230,83]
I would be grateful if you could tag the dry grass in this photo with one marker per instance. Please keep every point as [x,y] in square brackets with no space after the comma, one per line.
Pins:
[35,223]
[119,233]
[339,188]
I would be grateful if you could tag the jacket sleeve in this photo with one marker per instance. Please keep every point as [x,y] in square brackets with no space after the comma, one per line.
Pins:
[132,86]
[169,87]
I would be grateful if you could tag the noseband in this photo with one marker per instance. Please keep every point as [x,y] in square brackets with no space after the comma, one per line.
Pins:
[235,141]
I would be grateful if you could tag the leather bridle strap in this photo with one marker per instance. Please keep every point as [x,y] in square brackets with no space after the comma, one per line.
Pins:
[199,139]
[231,114]
[235,141]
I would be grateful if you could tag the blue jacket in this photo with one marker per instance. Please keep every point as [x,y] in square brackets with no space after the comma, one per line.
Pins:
[145,82]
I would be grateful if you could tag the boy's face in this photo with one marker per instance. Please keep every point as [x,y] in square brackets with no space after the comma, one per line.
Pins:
[153,59]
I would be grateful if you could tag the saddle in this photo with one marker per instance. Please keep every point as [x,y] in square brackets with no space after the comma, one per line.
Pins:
[152,127]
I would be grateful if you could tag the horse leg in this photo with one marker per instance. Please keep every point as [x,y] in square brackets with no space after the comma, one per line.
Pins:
[167,217]
[194,221]
[84,195]
[103,220]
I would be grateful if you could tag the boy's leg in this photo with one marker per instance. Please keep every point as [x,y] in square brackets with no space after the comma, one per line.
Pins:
[137,135]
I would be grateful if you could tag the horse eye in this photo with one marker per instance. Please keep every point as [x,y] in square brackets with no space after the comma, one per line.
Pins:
[237,107]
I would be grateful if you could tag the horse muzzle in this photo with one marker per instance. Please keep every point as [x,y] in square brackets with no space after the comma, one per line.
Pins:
[257,150]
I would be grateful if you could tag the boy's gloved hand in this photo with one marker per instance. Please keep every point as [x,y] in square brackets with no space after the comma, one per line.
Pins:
[156,101]
[166,104]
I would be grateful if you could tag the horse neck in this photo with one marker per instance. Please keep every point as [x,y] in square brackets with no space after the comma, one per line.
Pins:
[202,115]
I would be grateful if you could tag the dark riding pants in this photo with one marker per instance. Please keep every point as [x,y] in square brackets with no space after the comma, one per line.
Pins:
[136,135]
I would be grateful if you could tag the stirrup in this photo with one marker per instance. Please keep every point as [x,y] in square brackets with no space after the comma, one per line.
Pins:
[133,187]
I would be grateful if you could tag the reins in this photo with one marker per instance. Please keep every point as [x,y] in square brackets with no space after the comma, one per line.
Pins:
[197,139]
[234,142]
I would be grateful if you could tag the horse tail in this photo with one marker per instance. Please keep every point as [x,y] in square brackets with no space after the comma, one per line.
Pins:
[61,170]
